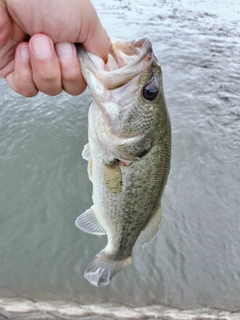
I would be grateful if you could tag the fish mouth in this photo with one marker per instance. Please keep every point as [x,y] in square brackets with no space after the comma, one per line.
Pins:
[126,60]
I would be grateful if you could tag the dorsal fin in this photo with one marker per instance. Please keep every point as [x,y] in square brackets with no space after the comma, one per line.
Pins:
[89,223]
[151,229]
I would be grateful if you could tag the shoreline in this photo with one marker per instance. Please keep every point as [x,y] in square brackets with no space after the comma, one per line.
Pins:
[20,308]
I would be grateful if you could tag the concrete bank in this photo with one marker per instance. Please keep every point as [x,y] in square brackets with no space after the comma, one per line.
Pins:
[23,309]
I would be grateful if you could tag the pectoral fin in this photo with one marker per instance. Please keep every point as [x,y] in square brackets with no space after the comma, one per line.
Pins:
[86,152]
[147,234]
[89,223]
[87,156]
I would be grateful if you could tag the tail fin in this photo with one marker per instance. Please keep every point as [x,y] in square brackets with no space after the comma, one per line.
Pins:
[103,267]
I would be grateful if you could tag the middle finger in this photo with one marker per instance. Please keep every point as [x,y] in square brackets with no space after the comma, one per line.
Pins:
[45,65]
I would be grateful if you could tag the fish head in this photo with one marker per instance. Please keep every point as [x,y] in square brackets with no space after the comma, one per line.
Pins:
[128,91]
[131,70]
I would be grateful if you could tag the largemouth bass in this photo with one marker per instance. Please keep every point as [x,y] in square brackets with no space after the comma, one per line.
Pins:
[128,152]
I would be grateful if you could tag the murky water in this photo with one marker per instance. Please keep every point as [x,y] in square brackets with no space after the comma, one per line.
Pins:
[194,261]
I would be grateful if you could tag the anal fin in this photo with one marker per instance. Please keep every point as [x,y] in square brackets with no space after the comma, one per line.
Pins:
[89,223]
[151,229]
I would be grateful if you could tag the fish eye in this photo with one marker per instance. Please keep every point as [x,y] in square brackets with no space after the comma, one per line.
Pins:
[150,91]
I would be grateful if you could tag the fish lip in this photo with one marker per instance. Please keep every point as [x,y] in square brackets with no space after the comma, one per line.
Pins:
[146,53]
[143,43]
[118,77]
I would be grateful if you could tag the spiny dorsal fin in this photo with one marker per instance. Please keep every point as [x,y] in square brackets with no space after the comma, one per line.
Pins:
[147,234]
[89,223]
[86,152]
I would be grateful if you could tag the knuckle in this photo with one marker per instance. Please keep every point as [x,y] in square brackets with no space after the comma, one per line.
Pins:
[48,83]
[52,91]
[48,77]
[4,35]
[70,76]
[25,89]
[30,94]
[74,91]
[27,92]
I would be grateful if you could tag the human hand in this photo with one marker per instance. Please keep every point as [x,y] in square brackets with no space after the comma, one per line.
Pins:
[48,62]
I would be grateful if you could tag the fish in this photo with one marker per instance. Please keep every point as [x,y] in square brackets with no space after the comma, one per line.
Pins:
[128,152]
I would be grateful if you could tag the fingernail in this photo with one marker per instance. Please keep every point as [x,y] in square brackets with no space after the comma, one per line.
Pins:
[41,47]
[25,53]
[64,50]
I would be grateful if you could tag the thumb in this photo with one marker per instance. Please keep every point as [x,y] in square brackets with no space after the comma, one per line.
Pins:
[97,40]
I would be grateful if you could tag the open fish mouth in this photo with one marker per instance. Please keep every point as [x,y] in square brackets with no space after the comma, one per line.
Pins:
[126,60]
